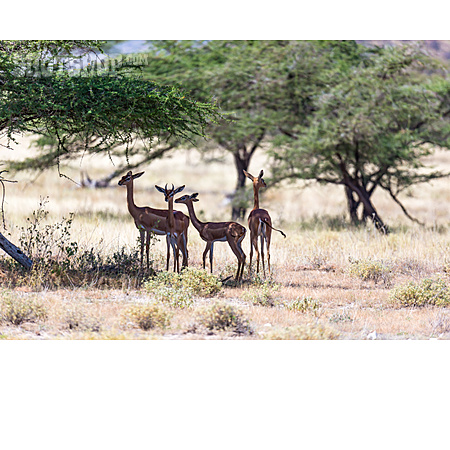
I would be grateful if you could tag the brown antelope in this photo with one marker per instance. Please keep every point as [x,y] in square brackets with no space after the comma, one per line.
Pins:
[150,220]
[259,224]
[174,234]
[211,232]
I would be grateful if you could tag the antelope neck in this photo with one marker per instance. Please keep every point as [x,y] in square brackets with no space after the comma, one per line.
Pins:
[197,224]
[171,218]
[256,197]
[132,208]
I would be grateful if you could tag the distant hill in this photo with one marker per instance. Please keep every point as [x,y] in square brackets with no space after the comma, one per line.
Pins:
[439,49]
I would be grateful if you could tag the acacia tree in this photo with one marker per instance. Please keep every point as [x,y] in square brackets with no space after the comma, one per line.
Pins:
[369,129]
[41,93]
[265,87]
[244,78]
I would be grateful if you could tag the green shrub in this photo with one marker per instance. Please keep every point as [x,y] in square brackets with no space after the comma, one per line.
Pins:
[148,316]
[305,304]
[426,292]
[200,282]
[17,310]
[178,289]
[223,317]
[262,293]
[368,270]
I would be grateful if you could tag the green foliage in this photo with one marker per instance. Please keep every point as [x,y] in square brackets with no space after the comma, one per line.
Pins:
[369,270]
[262,293]
[149,316]
[94,107]
[224,317]
[366,125]
[304,305]
[200,282]
[425,292]
[179,289]
[17,310]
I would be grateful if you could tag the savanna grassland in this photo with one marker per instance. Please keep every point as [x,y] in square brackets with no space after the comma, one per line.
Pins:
[329,281]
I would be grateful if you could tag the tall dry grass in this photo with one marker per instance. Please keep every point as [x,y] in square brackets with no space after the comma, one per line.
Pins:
[312,265]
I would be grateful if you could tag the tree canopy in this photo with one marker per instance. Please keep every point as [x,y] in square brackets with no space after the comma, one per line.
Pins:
[99,107]
[243,76]
[379,115]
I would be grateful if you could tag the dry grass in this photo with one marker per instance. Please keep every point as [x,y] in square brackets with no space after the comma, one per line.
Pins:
[313,263]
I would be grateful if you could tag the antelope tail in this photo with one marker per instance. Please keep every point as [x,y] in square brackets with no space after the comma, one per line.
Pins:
[270,226]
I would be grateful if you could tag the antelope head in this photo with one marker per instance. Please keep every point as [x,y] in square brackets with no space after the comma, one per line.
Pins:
[258,181]
[169,193]
[129,177]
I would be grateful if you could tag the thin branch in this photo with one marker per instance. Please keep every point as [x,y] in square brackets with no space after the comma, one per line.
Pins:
[396,200]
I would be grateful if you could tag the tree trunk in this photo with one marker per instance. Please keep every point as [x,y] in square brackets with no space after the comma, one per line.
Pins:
[15,252]
[352,205]
[369,209]
[241,162]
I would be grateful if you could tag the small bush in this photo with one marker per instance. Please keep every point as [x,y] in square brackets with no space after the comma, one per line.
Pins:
[303,332]
[178,290]
[149,316]
[263,293]
[368,270]
[16,310]
[426,292]
[305,304]
[200,282]
[223,317]
[341,317]
[77,319]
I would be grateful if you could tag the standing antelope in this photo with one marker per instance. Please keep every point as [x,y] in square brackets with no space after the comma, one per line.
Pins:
[174,233]
[211,232]
[260,224]
[150,220]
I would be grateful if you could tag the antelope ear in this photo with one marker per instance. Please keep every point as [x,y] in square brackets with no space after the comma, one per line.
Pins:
[136,175]
[194,196]
[248,175]
[160,189]
[261,174]
[178,189]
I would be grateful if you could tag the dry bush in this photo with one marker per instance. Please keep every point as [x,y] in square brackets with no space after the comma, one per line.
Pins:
[148,316]
[262,293]
[16,310]
[316,331]
[304,305]
[425,292]
[78,319]
[224,317]
[369,270]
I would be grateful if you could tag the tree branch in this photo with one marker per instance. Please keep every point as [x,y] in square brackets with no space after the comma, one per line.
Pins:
[396,200]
